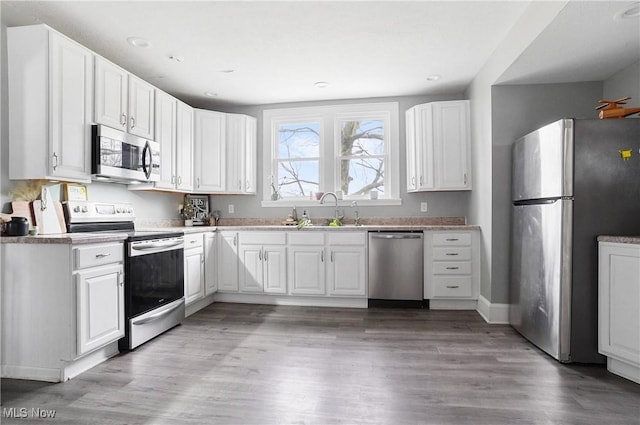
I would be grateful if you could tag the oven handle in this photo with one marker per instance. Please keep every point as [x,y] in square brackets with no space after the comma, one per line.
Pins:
[156,245]
[156,316]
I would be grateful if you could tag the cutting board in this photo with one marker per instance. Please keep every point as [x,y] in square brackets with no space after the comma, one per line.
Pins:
[51,219]
[22,209]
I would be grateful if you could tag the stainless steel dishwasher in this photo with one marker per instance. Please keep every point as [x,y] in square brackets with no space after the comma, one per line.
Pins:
[396,269]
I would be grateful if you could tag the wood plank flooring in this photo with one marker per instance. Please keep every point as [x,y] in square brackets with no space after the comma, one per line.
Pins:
[254,364]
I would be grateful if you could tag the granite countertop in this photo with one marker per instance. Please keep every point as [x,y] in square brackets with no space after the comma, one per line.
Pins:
[67,238]
[620,239]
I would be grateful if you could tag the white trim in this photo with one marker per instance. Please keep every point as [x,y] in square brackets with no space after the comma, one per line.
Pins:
[198,305]
[328,173]
[343,203]
[493,313]
[227,297]
[438,304]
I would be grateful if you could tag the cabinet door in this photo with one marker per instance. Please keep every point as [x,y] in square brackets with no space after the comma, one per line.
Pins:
[209,157]
[306,270]
[451,131]
[71,108]
[184,147]
[210,263]
[619,302]
[250,268]
[425,144]
[250,156]
[228,261]
[235,141]
[193,275]
[141,107]
[347,271]
[165,133]
[412,158]
[274,269]
[100,303]
[110,102]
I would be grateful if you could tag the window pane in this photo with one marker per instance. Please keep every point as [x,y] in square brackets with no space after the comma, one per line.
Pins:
[301,140]
[362,138]
[359,176]
[297,178]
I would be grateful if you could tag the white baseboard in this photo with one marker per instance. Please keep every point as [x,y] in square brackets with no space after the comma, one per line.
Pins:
[198,305]
[228,297]
[493,313]
[436,304]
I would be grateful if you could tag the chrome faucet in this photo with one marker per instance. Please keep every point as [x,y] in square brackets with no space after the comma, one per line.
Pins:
[356,216]
[337,214]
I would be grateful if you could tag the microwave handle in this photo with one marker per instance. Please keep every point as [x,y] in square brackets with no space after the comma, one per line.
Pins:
[146,153]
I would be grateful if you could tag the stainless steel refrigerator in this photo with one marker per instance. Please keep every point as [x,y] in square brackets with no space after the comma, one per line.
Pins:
[570,183]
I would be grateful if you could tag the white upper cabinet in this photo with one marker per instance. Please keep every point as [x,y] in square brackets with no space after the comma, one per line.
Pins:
[438,146]
[122,100]
[50,105]
[184,147]
[210,151]
[166,133]
[241,153]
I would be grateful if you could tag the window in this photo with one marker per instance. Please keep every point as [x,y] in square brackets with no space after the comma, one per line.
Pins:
[347,148]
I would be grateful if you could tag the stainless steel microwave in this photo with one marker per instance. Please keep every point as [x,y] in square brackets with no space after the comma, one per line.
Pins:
[122,157]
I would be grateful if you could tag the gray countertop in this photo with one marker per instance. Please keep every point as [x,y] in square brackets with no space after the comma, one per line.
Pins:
[620,239]
[86,238]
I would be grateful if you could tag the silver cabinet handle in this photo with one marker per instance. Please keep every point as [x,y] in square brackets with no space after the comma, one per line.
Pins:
[260,255]
[465,178]
[332,256]
[451,253]
[452,239]
[234,241]
[413,180]
[133,122]
[239,184]
[179,180]
[120,278]
[453,286]
[266,256]
[322,256]
[248,186]
[55,161]
[173,179]
[453,268]
[421,180]
[202,258]
[198,182]
[193,242]
[103,255]
[123,120]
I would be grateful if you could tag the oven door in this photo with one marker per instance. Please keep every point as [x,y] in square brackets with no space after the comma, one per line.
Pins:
[154,274]
[121,157]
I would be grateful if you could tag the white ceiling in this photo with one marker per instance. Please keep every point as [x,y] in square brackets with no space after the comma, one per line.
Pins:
[278,50]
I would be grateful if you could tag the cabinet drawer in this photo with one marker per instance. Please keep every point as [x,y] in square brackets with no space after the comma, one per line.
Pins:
[453,253]
[452,287]
[193,240]
[306,238]
[263,238]
[452,267]
[97,255]
[351,238]
[452,239]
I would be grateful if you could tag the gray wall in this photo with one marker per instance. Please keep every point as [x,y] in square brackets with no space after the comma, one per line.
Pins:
[516,111]
[625,83]
[440,203]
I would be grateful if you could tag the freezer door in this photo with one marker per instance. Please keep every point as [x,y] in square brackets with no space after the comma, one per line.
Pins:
[543,163]
[540,296]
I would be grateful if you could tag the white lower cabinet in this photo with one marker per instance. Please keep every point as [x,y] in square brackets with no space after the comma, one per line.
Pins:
[263,263]
[193,268]
[210,263]
[347,264]
[619,308]
[228,261]
[306,263]
[452,265]
[64,316]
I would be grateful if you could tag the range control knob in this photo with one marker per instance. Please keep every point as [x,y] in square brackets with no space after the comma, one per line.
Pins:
[85,209]
[76,209]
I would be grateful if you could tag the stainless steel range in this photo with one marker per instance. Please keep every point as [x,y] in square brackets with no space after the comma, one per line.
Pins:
[154,268]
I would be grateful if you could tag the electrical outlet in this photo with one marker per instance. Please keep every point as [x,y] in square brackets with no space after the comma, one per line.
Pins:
[423,207]
[231,209]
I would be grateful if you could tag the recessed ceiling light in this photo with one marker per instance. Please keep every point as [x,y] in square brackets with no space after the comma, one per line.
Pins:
[433,77]
[210,94]
[321,84]
[176,58]
[139,42]
[631,11]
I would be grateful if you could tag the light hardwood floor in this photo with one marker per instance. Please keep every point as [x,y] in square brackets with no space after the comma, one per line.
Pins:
[250,364]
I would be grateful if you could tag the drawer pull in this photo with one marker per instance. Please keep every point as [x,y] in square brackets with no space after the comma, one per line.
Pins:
[193,242]
[453,286]
[452,239]
[451,253]
[453,268]
[102,255]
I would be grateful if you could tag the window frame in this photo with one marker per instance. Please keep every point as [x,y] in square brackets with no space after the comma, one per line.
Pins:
[330,118]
